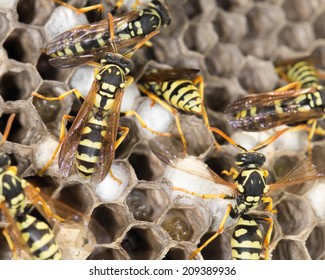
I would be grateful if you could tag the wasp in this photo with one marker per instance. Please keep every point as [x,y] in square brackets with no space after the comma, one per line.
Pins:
[178,89]
[248,191]
[87,43]
[27,233]
[32,234]
[300,101]
[91,140]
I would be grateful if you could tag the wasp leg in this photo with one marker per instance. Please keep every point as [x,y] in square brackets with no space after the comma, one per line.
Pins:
[219,231]
[61,138]
[204,196]
[232,172]
[117,144]
[8,127]
[75,91]
[269,204]
[98,7]
[10,243]
[199,83]
[171,110]
[293,85]
[267,238]
[34,196]
[143,124]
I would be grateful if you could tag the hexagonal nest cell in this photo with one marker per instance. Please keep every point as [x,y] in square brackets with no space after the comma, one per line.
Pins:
[136,214]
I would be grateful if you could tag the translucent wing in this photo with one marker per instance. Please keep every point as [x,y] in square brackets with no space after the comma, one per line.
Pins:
[15,233]
[306,170]
[71,140]
[162,75]
[74,231]
[168,154]
[85,37]
[269,110]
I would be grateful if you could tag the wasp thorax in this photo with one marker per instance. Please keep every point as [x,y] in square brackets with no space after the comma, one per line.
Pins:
[248,158]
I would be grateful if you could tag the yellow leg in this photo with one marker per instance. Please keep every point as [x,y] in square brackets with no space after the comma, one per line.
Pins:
[199,83]
[62,135]
[232,172]
[8,127]
[204,196]
[10,243]
[172,110]
[35,197]
[293,85]
[267,238]
[75,91]
[219,231]
[143,124]
[120,139]
[117,143]
[98,7]
[269,204]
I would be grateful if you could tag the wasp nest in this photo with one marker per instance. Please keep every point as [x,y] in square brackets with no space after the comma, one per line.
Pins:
[233,43]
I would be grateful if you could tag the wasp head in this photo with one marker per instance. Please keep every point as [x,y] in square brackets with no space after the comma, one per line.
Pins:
[247,158]
[163,12]
[119,60]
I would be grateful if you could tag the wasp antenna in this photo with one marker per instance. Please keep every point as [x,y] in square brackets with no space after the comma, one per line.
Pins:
[131,52]
[111,32]
[275,136]
[226,137]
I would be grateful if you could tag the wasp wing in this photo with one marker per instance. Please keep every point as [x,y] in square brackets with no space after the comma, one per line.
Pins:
[75,231]
[15,233]
[267,110]
[170,155]
[85,36]
[307,170]
[70,143]
[163,75]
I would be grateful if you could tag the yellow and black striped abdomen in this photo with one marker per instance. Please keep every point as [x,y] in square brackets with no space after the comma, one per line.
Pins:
[183,95]
[90,145]
[303,72]
[246,242]
[38,238]
[111,79]
[12,192]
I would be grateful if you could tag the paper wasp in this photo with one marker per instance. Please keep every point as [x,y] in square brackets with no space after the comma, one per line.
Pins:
[176,89]
[248,191]
[27,235]
[301,101]
[87,43]
[91,140]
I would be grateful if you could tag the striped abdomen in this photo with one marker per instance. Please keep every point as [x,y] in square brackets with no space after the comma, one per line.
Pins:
[12,192]
[182,94]
[90,145]
[111,79]
[246,242]
[38,238]
[303,72]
